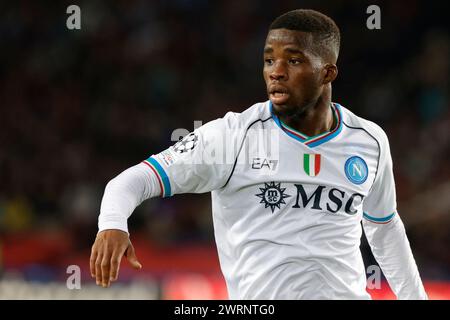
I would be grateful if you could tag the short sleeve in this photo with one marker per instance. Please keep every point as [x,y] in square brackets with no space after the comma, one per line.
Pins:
[380,206]
[201,162]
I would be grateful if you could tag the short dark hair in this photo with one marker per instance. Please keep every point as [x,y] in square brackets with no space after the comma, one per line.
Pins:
[325,32]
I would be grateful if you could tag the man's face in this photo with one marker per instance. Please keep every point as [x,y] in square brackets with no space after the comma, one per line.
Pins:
[293,74]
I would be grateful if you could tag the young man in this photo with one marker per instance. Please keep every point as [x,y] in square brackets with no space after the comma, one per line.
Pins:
[287,208]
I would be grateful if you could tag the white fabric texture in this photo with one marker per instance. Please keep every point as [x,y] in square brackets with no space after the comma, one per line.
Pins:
[282,232]
[391,249]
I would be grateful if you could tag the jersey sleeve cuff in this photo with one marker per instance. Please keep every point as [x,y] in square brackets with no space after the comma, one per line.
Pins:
[113,224]
[161,175]
[378,220]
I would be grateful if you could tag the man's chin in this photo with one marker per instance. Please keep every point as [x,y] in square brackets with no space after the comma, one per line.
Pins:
[282,109]
[287,109]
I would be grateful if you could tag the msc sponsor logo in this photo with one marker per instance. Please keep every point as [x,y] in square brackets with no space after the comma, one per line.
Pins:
[322,198]
[272,195]
[329,199]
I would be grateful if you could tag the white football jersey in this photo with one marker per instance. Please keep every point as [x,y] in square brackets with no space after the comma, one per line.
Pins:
[287,208]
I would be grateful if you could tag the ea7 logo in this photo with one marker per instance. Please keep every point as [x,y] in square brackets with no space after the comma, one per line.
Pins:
[261,163]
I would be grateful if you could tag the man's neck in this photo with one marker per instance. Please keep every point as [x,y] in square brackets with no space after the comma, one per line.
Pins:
[315,120]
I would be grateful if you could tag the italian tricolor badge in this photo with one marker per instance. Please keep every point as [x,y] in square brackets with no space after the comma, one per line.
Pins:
[311,164]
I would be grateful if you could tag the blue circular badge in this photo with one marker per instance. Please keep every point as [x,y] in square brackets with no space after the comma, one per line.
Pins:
[356,170]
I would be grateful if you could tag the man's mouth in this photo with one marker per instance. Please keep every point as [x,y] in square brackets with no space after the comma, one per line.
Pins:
[278,95]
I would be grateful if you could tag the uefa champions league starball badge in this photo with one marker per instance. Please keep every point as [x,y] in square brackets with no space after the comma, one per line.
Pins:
[188,143]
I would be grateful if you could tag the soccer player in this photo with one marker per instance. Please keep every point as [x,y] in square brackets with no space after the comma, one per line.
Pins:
[291,179]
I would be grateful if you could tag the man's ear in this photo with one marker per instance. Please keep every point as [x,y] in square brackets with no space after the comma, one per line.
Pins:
[331,72]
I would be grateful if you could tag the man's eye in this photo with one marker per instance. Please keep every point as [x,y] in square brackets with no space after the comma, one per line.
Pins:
[294,61]
[268,61]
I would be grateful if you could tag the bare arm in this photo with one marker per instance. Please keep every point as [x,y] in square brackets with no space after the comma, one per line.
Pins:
[165,174]
[122,195]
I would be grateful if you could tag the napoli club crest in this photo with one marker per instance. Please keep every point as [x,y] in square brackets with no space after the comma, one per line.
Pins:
[356,170]
[272,195]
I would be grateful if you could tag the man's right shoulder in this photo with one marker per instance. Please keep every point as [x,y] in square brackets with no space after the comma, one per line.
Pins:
[241,120]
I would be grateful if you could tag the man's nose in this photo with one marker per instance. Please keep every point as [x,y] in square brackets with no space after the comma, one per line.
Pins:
[278,71]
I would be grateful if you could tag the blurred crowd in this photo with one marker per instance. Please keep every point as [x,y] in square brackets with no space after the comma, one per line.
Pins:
[79,106]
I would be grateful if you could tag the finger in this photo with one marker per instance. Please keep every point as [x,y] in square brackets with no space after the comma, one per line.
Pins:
[115,264]
[92,260]
[132,259]
[98,269]
[105,266]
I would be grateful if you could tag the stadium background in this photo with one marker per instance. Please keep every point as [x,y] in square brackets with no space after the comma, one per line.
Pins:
[78,107]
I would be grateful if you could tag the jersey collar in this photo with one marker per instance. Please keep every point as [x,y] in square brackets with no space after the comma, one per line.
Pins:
[313,141]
